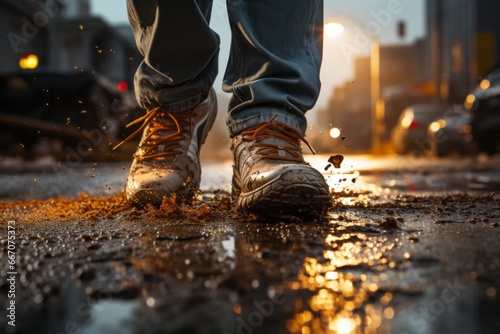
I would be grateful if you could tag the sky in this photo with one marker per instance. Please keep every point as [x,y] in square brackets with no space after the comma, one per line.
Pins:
[381,16]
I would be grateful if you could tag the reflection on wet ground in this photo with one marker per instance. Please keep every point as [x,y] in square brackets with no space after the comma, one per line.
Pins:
[379,261]
[393,264]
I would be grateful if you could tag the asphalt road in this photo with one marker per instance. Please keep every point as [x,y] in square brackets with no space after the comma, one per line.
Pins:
[411,245]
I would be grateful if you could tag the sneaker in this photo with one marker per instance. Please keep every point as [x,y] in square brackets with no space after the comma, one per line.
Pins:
[270,175]
[167,160]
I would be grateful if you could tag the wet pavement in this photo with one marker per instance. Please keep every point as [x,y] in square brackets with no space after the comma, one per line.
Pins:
[411,245]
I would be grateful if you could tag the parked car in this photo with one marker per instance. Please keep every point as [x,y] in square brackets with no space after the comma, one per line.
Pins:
[484,106]
[451,134]
[64,107]
[410,132]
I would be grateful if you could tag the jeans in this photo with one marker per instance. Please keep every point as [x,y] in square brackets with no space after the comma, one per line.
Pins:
[273,67]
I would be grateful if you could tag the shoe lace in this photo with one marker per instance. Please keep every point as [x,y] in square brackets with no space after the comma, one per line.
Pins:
[275,130]
[155,144]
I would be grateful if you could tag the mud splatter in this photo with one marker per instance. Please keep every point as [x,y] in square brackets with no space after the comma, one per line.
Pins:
[93,208]
[336,160]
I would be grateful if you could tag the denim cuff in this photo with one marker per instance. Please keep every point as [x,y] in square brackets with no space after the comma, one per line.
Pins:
[261,115]
[186,104]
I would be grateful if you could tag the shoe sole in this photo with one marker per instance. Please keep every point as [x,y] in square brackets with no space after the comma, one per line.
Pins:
[296,192]
[144,197]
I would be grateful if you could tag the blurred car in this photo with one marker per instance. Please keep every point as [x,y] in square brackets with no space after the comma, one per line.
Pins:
[451,134]
[484,106]
[67,107]
[410,132]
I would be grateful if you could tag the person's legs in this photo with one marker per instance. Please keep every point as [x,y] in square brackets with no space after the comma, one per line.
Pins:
[273,73]
[174,84]
[180,52]
[274,63]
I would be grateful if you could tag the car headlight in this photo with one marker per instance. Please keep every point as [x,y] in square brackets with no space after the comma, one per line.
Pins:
[434,127]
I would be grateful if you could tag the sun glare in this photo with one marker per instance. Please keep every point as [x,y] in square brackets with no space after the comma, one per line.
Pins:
[334,29]
[335,133]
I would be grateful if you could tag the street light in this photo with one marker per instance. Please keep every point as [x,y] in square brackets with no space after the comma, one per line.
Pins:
[335,133]
[334,29]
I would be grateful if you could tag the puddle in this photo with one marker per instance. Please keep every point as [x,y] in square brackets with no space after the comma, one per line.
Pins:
[229,246]
[72,311]
[111,316]
[453,308]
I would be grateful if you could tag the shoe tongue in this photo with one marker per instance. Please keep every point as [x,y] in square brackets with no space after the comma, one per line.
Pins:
[280,147]
[167,127]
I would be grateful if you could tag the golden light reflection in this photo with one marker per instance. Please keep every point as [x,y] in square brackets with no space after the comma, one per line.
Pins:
[331,275]
[469,101]
[342,300]
[389,313]
[485,84]
[386,299]
[343,325]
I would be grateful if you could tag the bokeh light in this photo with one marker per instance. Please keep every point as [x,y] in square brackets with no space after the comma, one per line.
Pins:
[335,133]
[28,62]
[334,29]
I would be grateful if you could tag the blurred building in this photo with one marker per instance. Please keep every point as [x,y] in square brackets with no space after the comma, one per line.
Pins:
[402,81]
[349,110]
[19,35]
[463,44]
[64,36]
[62,73]
[76,9]
[89,43]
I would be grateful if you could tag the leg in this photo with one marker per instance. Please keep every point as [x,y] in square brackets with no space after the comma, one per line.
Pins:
[273,73]
[174,84]
[274,62]
[180,52]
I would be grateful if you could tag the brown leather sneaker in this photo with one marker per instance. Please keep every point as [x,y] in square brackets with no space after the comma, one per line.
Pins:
[167,160]
[270,175]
